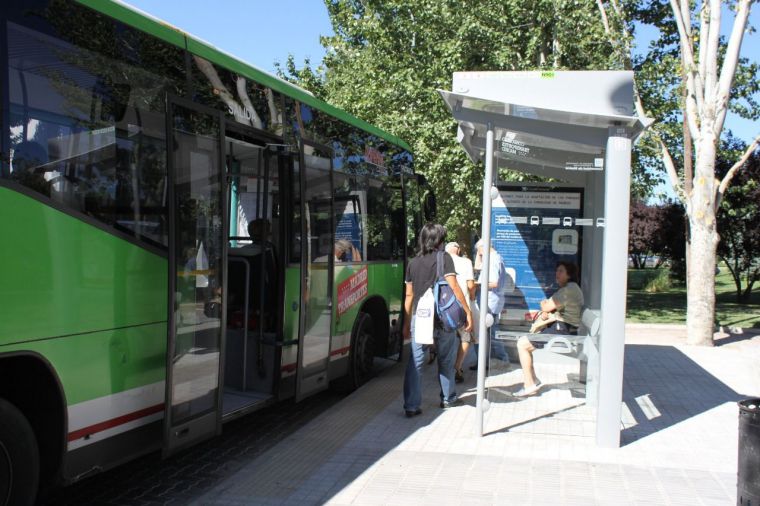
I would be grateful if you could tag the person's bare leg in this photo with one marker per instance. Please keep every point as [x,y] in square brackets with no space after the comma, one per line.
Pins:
[463,347]
[525,351]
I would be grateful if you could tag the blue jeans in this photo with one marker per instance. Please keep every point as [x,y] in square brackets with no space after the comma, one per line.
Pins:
[446,344]
[496,348]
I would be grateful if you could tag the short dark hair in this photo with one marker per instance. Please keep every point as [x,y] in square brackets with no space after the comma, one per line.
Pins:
[258,228]
[432,236]
[570,268]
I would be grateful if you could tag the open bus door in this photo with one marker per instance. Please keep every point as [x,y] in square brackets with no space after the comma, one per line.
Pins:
[197,275]
[317,259]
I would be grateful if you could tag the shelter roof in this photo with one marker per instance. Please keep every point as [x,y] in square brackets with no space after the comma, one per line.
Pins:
[545,123]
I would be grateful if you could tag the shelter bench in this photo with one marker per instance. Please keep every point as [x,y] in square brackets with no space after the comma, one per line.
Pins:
[581,346]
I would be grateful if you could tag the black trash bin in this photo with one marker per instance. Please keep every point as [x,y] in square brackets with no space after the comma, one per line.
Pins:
[748,480]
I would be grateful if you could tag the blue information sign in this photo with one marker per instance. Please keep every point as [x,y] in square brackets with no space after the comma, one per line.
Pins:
[532,229]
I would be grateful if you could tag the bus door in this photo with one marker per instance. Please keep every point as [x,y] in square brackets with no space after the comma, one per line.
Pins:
[197,238]
[317,258]
[255,274]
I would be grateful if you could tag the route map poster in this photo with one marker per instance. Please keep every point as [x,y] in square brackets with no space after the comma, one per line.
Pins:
[532,229]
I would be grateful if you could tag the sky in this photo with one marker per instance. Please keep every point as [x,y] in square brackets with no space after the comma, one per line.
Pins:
[257,31]
[262,33]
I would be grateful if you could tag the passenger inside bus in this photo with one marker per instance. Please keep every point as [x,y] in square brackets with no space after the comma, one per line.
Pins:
[260,232]
[260,259]
[345,251]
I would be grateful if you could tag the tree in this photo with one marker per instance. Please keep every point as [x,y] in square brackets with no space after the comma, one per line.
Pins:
[388,57]
[707,70]
[670,241]
[739,222]
[656,230]
[642,230]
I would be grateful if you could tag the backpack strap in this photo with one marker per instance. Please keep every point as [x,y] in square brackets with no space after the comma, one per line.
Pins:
[441,281]
[439,265]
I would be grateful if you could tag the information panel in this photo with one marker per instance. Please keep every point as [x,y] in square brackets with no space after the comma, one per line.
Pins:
[532,229]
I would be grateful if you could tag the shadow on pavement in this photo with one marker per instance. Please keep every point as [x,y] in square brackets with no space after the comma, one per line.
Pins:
[736,335]
[663,387]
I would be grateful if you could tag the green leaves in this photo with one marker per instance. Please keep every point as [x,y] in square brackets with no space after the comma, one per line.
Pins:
[659,80]
[388,57]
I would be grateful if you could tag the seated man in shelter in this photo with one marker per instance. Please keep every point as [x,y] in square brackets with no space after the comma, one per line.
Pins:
[562,315]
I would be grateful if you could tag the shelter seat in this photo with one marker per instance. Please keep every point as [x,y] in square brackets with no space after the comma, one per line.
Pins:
[580,346]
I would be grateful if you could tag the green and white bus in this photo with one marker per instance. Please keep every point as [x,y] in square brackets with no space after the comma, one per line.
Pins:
[185,239]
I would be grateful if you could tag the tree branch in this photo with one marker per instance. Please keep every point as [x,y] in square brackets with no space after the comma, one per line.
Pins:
[616,7]
[240,83]
[210,72]
[733,170]
[274,113]
[730,63]
[704,23]
[625,55]
[694,98]
[712,41]
[605,21]
[670,168]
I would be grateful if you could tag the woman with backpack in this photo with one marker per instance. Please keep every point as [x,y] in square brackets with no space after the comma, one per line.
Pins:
[421,274]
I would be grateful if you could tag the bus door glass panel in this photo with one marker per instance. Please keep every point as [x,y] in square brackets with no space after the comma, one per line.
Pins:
[350,219]
[254,273]
[254,225]
[198,236]
[317,249]
[291,323]
[385,219]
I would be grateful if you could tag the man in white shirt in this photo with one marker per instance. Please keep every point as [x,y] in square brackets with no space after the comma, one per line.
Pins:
[466,281]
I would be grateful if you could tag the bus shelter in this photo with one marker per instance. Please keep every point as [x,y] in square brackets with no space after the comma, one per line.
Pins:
[574,131]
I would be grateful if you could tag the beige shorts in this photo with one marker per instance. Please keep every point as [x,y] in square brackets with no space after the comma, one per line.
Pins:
[466,337]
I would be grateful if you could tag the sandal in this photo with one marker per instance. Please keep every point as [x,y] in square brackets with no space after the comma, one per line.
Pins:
[525,392]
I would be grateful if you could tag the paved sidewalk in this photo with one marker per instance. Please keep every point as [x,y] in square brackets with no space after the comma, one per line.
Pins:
[679,438]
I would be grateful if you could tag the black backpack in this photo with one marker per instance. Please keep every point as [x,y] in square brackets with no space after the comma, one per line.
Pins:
[449,312]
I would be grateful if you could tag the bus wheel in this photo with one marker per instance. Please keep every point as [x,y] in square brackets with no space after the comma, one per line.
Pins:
[362,351]
[19,457]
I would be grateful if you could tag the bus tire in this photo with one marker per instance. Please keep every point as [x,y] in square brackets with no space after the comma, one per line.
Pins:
[19,458]
[362,356]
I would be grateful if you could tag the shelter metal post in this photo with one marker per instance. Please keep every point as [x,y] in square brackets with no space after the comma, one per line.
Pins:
[614,279]
[483,336]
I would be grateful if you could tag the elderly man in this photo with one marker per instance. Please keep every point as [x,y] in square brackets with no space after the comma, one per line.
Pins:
[497,279]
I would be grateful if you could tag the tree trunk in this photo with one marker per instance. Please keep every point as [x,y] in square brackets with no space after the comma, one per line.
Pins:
[700,315]
[747,294]
[688,176]
[737,275]
[700,289]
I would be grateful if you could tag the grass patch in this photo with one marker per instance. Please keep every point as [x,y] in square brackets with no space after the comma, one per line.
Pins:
[669,305]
